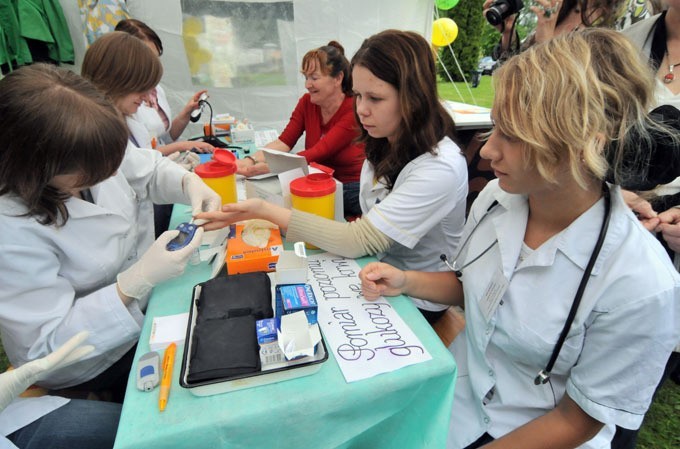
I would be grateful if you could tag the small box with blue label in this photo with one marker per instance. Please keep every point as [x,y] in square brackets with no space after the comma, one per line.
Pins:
[270,354]
[294,298]
[266,330]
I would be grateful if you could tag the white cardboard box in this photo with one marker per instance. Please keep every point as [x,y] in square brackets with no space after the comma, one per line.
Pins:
[292,266]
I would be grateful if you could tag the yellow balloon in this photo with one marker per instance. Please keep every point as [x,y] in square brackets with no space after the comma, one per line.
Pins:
[444,32]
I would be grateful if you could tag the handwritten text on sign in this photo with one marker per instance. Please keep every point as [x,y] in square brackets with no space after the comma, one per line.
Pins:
[367,337]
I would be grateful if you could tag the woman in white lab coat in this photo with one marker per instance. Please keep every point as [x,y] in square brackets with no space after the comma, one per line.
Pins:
[153,125]
[571,305]
[70,214]
[125,70]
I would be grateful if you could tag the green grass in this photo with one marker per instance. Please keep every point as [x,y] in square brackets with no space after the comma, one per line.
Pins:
[4,363]
[661,428]
[481,95]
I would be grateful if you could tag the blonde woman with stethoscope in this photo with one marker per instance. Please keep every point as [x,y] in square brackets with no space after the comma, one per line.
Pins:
[570,304]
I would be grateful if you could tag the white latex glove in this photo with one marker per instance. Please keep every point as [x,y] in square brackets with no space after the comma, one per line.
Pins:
[201,197]
[157,265]
[14,382]
[185,159]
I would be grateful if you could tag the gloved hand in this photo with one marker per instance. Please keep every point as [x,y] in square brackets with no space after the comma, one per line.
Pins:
[185,159]
[14,382]
[157,265]
[201,197]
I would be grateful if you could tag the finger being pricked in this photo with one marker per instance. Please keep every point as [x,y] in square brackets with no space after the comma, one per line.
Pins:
[211,221]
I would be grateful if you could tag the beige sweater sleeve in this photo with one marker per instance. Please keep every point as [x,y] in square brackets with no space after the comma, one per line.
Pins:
[354,239]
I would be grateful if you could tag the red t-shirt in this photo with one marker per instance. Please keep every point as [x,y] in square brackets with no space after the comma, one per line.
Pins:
[331,144]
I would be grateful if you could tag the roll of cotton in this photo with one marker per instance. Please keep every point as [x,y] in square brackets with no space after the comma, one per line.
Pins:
[257,232]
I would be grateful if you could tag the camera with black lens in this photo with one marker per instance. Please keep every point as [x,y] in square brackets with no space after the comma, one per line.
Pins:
[501,9]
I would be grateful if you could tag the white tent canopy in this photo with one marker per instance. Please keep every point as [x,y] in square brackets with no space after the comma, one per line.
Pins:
[248,53]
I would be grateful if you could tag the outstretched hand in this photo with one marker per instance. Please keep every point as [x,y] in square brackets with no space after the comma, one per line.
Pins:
[230,213]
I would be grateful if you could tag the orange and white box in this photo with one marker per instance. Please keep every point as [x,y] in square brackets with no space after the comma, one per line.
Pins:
[244,258]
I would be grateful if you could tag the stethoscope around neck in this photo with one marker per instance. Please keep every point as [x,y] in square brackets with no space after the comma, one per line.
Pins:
[543,375]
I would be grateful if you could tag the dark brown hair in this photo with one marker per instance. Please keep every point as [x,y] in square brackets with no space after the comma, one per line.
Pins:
[140,30]
[53,122]
[597,13]
[404,59]
[331,61]
[120,64]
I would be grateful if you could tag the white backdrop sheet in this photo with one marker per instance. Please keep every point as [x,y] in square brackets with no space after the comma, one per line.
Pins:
[254,48]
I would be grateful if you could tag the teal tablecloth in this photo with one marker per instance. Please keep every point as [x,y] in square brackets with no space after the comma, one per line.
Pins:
[408,408]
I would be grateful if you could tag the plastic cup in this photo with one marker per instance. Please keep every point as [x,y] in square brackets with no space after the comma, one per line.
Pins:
[221,178]
[315,194]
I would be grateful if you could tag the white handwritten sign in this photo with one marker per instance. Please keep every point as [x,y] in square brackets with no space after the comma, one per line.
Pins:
[367,337]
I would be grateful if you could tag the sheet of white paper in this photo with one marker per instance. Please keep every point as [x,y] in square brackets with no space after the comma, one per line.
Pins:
[168,329]
[241,187]
[366,337]
[285,179]
[215,238]
[280,161]
[218,261]
[265,136]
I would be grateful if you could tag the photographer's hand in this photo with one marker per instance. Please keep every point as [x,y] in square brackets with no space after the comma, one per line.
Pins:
[505,28]
[546,13]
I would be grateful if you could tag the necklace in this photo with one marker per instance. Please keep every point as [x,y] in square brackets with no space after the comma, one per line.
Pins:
[669,77]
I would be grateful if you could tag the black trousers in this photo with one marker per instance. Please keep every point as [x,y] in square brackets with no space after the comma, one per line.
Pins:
[113,380]
[431,316]
[484,439]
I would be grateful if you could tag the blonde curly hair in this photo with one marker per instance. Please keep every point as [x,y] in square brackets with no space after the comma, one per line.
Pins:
[572,98]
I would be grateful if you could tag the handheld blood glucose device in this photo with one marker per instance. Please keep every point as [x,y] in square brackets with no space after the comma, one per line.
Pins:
[186,234]
[147,371]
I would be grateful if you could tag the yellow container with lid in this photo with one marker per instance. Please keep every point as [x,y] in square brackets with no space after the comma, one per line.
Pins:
[314,193]
[221,177]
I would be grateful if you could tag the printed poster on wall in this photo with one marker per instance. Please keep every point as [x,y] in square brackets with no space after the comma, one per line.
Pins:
[366,337]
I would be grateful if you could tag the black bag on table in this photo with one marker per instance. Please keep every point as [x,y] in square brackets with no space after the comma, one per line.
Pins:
[224,342]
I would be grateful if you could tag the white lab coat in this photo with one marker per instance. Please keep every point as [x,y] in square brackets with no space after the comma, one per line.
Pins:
[616,349]
[56,282]
[146,123]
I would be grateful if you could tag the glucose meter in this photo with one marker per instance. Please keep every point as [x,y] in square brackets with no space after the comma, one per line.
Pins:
[186,234]
[147,371]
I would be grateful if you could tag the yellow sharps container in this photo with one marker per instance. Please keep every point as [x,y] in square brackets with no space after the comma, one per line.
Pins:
[221,178]
[315,194]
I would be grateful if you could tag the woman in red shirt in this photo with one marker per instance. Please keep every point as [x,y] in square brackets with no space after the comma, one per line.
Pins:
[326,115]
